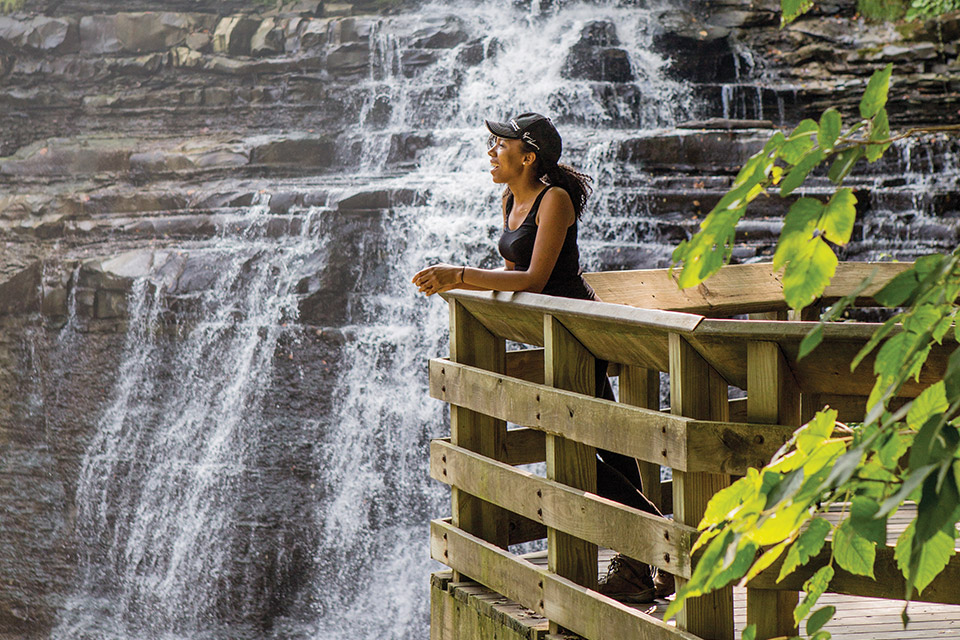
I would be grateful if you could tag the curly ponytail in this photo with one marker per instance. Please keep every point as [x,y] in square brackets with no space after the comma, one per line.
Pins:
[576,184]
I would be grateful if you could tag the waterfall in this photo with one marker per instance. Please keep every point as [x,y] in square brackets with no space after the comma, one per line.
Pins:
[179,542]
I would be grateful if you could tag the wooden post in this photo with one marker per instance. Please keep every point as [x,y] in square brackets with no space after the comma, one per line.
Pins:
[471,343]
[698,391]
[568,365]
[773,397]
[640,387]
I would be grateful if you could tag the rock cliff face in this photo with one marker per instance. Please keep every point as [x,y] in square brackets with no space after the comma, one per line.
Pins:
[237,166]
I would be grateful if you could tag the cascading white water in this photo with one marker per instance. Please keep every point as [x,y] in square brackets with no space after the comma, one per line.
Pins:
[157,505]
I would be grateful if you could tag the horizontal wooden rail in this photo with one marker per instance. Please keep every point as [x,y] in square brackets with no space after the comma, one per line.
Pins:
[889,582]
[675,441]
[581,610]
[735,289]
[645,537]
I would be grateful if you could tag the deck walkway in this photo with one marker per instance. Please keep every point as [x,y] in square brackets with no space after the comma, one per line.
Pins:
[857,618]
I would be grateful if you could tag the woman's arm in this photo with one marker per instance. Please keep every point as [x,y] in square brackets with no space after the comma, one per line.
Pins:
[554,217]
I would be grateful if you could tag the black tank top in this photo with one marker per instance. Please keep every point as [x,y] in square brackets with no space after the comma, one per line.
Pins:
[565,280]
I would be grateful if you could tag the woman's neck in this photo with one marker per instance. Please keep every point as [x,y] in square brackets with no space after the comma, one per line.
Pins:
[525,189]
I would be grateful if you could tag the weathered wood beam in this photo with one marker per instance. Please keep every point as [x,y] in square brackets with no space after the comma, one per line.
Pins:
[471,343]
[568,365]
[698,391]
[583,611]
[645,537]
[773,398]
[640,387]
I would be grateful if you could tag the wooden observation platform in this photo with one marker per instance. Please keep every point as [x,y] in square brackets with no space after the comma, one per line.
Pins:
[645,326]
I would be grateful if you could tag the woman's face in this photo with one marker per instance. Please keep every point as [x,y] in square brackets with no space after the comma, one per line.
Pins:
[507,159]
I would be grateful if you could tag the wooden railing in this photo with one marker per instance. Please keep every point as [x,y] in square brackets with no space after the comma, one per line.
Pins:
[548,392]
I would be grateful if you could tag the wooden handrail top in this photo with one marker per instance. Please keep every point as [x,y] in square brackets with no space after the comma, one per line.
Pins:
[735,289]
[639,337]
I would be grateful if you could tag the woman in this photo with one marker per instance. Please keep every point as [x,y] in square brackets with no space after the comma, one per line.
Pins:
[542,203]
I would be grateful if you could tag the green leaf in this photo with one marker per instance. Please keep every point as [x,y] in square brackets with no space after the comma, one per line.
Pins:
[811,435]
[875,97]
[891,452]
[799,172]
[806,546]
[819,635]
[852,551]
[810,341]
[879,130]
[930,559]
[819,618]
[830,124]
[913,481]
[764,561]
[839,215]
[792,9]
[844,163]
[814,587]
[709,249]
[874,340]
[932,401]
[862,518]
[799,143]
[899,290]
[808,274]
[750,633]
[798,227]
[725,501]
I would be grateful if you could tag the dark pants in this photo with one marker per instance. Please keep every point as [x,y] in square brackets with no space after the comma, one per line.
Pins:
[618,477]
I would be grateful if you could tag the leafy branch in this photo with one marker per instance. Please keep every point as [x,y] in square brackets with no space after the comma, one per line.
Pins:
[777,513]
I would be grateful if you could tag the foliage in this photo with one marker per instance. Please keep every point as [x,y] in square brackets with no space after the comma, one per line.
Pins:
[927,8]
[9,6]
[811,226]
[776,513]
[882,9]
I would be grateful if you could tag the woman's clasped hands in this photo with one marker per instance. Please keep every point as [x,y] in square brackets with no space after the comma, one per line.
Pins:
[438,278]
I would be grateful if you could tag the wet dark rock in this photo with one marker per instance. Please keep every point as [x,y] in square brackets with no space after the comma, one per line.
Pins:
[19,294]
[697,52]
[446,36]
[471,54]
[599,33]
[738,18]
[268,39]
[412,61]
[136,32]
[349,59]
[40,33]
[378,116]
[234,35]
[307,152]
[596,57]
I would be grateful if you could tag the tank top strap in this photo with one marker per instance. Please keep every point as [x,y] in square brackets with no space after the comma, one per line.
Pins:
[536,203]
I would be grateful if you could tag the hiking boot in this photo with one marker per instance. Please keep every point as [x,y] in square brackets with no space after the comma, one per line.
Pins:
[628,580]
[663,583]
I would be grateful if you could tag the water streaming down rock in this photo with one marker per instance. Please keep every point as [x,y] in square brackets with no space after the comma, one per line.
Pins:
[165,482]
[255,480]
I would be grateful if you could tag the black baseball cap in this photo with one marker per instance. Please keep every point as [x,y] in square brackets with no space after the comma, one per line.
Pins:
[534,129]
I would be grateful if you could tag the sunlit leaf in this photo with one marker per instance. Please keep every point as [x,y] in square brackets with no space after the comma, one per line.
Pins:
[765,560]
[799,142]
[931,401]
[930,560]
[799,173]
[798,229]
[839,215]
[808,274]
[807,545]
[749,633]
[899,290]
[844,163]
[792,9]
[814,588]
[830,124]
[879,130]
[875,97]
[812,435]
[852,551]
[724,502]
